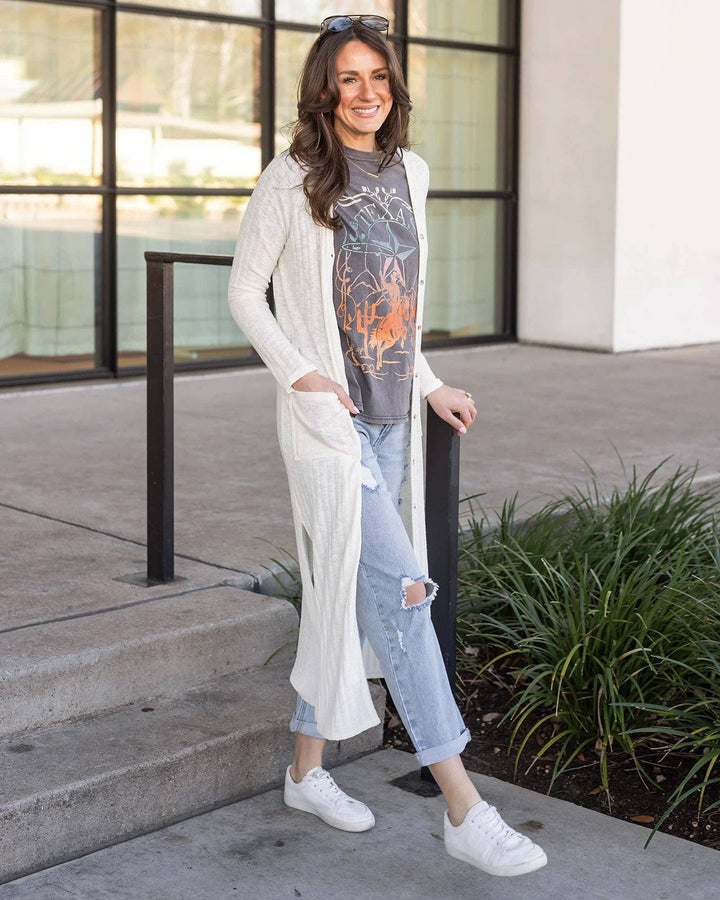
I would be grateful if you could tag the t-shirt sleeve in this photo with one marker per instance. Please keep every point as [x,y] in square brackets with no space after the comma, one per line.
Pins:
[261,239]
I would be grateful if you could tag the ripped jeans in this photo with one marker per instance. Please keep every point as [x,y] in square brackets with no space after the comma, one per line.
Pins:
[402,636]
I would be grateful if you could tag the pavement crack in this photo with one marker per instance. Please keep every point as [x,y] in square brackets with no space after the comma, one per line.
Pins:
[49,518]
[127,540]
[118,607]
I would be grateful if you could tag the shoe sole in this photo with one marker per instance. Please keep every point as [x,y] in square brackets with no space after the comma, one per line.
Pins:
[341,825]
[531,865]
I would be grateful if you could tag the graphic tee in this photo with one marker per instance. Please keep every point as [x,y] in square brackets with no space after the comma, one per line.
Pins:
[375,283]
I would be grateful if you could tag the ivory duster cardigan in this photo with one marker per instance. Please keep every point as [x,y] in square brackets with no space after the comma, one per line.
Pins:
[320,447]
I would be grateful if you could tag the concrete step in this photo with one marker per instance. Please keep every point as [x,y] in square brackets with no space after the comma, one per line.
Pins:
[73,788]
[80,666]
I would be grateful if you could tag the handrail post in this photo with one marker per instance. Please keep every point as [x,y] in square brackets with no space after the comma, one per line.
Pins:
[160,431]
[160,407]
[442,498]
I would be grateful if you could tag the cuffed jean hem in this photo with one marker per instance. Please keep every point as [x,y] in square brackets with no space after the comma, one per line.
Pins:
[444,751]
[299,724]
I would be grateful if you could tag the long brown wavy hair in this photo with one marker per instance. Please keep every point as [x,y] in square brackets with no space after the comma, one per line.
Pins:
[315,144]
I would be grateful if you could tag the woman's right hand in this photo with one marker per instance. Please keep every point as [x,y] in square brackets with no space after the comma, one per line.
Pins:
[314,381]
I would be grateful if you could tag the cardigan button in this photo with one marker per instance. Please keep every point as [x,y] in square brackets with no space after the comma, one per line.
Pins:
[422,281]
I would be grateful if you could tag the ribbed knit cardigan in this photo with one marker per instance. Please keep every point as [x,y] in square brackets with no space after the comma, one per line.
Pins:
[320,447]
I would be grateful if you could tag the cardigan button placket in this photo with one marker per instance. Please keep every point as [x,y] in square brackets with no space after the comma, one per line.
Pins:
[344,708]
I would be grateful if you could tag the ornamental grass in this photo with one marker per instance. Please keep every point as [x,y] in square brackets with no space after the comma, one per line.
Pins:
[602,612]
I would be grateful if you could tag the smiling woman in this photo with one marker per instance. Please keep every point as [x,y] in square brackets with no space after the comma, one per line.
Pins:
[338,222]
[365,97]
[352,93]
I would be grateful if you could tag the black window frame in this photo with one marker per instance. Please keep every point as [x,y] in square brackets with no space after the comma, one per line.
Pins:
[106,350]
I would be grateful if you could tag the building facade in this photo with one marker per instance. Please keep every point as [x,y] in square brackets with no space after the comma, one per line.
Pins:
[127,127]
[619,185]
[572,149]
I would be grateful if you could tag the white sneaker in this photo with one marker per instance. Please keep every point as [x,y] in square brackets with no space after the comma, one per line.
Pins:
[484,840]
[318,794]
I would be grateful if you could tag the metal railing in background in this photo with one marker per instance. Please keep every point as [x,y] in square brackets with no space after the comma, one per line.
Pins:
[442,463]
[160,408]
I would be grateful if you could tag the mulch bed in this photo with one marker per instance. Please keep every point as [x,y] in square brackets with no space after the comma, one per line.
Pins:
[484,703]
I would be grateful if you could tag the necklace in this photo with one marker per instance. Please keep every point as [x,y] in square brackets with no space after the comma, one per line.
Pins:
[357,166]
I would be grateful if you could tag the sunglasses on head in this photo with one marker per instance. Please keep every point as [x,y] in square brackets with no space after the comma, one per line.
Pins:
[342,23]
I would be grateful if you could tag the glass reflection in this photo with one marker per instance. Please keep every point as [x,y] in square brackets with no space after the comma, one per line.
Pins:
[50,107]
[314,11]
[188,103]
[290,51]
[457,96]
[204,328]
[225,7]
[49,258]
[479,21]
[464,283]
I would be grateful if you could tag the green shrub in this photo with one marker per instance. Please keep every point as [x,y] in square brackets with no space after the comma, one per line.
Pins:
[692,727]
[600,610]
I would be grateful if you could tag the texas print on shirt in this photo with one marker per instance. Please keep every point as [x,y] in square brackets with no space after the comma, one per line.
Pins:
[376,271]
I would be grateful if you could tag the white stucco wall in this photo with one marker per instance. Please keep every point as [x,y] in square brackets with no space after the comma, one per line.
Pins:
[568,157]
[619,246]
[667,272]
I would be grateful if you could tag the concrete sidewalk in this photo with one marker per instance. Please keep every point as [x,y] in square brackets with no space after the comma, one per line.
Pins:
[259,850]
[73,475]
[72,522]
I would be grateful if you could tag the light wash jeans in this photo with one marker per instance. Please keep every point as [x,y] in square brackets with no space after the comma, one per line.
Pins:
[402,637]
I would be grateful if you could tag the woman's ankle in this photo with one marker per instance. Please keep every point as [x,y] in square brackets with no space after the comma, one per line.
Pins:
[308,755]
[460,809]
[295,773]
[459,791]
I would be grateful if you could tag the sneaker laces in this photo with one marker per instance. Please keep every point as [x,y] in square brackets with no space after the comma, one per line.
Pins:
[495,827]
[325,783]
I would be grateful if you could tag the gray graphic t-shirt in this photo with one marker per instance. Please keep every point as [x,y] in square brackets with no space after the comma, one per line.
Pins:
[375,286]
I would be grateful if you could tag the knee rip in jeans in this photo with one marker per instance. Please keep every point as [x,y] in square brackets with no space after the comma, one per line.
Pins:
[430,591]
[368,479]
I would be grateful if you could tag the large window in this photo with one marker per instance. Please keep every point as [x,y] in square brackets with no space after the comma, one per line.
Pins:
[127,127]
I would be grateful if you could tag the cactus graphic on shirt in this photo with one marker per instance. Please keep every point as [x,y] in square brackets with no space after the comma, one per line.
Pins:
[376,303]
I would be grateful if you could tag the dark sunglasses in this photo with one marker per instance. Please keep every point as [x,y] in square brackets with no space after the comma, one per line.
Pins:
[342,23]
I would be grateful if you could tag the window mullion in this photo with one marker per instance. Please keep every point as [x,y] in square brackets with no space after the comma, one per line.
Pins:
[267,84]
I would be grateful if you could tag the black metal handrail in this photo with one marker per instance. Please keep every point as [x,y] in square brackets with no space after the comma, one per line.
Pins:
[442,476]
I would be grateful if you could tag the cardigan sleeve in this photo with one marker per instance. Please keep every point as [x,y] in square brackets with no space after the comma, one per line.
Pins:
[427,380]
[261,239]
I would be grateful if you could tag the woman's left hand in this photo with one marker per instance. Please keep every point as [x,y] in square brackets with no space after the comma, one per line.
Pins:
[446,401]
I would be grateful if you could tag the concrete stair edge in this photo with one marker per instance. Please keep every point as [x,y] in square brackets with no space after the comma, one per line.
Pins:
[66,670]
[131,774]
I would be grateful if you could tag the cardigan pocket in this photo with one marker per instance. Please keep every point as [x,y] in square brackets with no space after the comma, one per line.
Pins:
[321,426]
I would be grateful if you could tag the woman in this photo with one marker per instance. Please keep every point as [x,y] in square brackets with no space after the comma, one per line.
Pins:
[338,223]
